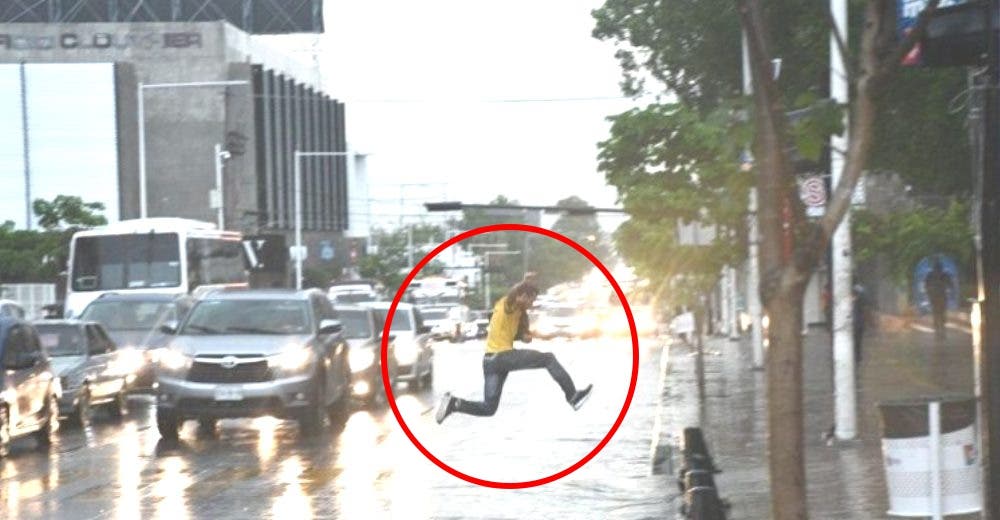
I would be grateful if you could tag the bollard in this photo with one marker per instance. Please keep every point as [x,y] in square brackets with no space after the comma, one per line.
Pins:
[696,480]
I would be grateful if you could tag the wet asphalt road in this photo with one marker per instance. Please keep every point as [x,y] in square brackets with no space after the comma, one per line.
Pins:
[368,468]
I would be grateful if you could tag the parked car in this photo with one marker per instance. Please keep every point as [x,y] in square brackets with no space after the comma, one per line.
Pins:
[91,369]
[29,402]
[12,309]
[446,321]
[364,336]
[412,343]
[133,322]
[478,325]
[349,292]
[253,352]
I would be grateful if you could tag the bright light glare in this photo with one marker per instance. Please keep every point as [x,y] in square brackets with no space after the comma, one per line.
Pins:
[361,359]
[406,352]
[171,359]
[294,358]
[128,361]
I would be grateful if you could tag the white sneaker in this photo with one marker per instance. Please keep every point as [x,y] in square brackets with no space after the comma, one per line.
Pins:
[444,408]
[580,397]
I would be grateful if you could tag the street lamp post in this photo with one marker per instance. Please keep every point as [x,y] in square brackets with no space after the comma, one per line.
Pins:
[140,89]
[299,256]
[217,198]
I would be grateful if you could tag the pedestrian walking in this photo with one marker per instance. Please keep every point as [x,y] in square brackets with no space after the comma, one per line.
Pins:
[937,285]
[509,323]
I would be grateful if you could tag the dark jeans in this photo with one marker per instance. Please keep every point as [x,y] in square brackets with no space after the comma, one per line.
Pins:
[495,369]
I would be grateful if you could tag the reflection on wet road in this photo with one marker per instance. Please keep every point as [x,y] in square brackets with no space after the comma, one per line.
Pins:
[262,468]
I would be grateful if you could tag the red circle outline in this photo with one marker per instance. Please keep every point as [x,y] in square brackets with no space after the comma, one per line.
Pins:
[385,362]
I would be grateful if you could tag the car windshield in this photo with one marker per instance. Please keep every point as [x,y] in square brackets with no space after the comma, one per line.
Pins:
[353,297]
[435,314]
[357,324]
[400,320]
[62,340]
[248,317]
[129,314]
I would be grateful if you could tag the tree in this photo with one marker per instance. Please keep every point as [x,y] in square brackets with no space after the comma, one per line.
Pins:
[906,237]
[68,210]
[556,262]
[680,43]
[389,264]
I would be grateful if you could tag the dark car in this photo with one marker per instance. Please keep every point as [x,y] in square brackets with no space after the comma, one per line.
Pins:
[363,332]
[253,352]
[133,321]
[91,369]
[29,400]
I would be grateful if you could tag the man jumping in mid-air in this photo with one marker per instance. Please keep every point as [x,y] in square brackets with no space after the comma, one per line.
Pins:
[510,322]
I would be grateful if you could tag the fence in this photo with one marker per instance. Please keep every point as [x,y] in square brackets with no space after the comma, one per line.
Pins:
[31,296]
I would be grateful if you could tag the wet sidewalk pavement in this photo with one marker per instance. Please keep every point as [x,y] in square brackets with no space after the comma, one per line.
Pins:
[846,480]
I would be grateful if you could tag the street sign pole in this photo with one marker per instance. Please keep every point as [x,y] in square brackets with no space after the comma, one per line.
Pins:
[987,349]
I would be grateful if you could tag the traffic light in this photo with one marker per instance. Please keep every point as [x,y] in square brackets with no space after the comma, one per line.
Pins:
[443,206]
[956,36]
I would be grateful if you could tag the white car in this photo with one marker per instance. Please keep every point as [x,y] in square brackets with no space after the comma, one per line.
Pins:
[412,343]
[446,322]
[11,309]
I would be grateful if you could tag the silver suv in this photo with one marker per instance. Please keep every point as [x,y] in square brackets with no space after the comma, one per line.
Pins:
[246,353]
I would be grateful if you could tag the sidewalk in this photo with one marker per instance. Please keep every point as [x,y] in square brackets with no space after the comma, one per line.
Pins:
[846,480]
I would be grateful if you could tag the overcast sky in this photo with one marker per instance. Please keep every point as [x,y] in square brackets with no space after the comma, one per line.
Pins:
[471,99]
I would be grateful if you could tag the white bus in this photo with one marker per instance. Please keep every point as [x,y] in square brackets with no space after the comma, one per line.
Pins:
[152,255]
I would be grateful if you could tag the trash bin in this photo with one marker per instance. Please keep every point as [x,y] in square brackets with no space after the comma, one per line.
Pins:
[932,468]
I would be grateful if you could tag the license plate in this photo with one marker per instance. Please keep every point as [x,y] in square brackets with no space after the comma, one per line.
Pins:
[228,394]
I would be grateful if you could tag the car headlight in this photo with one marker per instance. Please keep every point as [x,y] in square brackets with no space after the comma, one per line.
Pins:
[293,359]
[406,352]
[128,361]
[173,360]
[361,358]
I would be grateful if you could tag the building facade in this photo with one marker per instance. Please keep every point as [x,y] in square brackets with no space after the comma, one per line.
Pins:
[131,114]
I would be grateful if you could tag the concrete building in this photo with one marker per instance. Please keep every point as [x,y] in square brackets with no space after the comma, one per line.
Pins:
[75,99]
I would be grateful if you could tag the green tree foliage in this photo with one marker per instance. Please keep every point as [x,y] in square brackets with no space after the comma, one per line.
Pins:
[907,237]
[555,262]
[389,264]
[68,211]
[29,256]
[690,49]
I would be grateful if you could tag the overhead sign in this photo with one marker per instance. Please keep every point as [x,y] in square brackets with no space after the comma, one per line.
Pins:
[907,12]
[266,252]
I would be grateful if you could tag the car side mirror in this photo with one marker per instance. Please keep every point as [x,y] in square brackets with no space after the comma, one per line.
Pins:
[330,327]
[169,327]
[424,329]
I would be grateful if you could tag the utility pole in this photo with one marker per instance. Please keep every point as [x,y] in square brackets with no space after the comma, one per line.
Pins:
[753,237]
[987,349]
[841,264]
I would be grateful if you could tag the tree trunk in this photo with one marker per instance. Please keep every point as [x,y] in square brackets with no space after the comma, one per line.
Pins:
[785,407]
